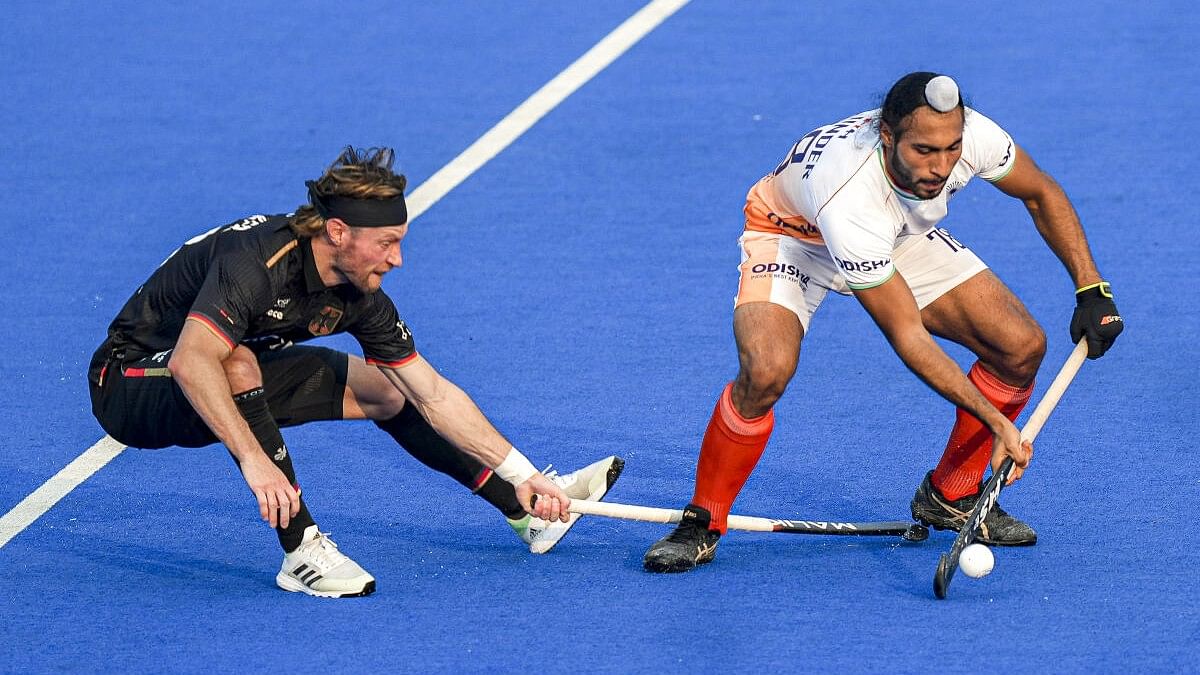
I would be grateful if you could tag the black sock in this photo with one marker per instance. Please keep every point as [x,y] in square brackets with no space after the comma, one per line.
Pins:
[253,406]
[419,439]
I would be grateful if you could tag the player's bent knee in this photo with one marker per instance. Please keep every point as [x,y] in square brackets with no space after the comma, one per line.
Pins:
[242,371]
[761,385]
[373,403]
[389,407]
[1020,365]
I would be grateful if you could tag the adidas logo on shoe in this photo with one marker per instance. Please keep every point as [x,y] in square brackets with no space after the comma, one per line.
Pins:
[318,568]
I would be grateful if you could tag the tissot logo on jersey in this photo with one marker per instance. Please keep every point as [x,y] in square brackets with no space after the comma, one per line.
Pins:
[863,266]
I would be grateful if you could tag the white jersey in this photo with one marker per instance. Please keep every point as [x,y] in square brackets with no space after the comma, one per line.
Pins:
[832,192]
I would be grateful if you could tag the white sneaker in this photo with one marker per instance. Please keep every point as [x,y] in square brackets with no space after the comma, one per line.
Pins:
[318,568]
[591,482]
[527,527]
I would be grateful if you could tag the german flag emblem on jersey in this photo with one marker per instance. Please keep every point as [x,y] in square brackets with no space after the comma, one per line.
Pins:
[326,321]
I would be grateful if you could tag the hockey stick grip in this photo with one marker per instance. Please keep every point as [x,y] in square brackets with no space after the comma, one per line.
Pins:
[647,514]
[1050,399]
[651,514]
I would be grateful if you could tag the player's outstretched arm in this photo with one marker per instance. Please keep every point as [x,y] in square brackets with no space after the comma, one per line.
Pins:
[456,417]
[892,306]
[196,366]
[1096,314]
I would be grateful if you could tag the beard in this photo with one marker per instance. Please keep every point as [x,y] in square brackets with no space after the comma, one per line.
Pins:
[906,180]
[365,280]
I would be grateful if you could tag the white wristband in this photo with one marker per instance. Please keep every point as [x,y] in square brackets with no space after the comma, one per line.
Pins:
[515,468]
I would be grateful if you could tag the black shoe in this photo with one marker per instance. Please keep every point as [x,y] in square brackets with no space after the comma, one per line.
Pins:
[690,544]
[997,529]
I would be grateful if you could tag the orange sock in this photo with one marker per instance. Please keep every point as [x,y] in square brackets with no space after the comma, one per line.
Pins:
[969,450]
[731,448]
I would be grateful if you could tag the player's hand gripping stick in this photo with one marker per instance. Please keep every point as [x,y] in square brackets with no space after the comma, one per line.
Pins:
[1096,318]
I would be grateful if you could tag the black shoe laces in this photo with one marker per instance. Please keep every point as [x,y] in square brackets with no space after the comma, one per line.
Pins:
[688,533]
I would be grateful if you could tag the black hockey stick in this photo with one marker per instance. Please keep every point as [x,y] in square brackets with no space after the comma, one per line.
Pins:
[896,528]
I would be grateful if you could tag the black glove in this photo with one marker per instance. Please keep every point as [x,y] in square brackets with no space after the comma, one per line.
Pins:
[1096,316]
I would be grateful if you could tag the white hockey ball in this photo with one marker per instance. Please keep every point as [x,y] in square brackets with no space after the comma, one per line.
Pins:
[976,561]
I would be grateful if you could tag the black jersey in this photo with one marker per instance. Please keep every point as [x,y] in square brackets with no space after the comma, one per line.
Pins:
[254,282]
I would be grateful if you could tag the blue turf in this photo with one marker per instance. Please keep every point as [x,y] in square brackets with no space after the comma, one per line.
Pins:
[579,286]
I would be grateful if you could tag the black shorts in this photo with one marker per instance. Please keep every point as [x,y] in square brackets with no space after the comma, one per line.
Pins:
[138,403]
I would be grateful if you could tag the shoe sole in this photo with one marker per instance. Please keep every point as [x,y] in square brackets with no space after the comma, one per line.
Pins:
[681,566]
[978,537]
[614,472]
[684,566]
[922,517]
[289,584]
[610,477]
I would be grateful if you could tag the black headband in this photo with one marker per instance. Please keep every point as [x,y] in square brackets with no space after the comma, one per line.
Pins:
[359,212]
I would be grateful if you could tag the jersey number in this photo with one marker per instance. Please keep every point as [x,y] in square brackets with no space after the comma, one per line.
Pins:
[240,226]
[799,150]
[944,234]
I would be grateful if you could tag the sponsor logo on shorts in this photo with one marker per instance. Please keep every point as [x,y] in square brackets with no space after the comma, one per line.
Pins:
[275,314]
[781,271]
[280,453]
[862,266]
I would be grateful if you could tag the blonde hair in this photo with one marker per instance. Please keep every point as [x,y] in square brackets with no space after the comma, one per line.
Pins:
[357,174]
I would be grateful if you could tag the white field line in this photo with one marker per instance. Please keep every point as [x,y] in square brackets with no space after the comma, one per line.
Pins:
[429,193]
[42,499]
[541,102]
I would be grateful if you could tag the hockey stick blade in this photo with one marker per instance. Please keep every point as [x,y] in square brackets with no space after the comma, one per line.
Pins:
[948,562]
